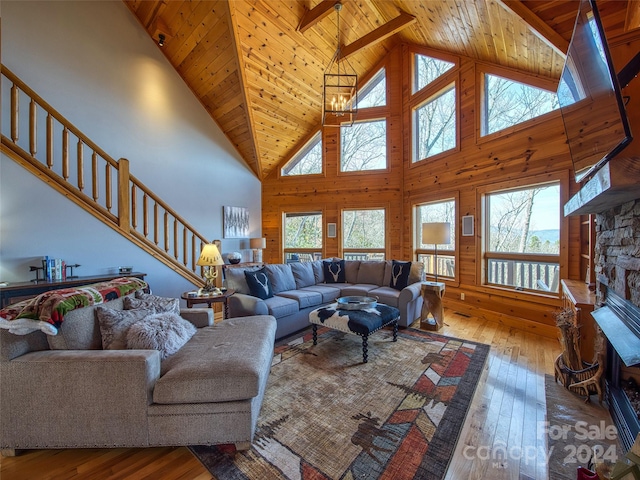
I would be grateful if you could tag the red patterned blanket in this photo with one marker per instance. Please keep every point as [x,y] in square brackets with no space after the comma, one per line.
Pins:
[46,311]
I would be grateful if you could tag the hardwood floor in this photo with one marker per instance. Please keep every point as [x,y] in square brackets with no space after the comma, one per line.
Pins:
[503,418]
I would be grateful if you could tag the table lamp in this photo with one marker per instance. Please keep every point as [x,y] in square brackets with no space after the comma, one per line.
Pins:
[210,257]
[436,233]
[257,244]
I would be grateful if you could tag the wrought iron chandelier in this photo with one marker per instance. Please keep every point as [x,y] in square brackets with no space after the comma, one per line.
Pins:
[340,91]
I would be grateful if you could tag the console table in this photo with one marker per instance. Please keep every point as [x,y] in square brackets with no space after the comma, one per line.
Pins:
[18,291]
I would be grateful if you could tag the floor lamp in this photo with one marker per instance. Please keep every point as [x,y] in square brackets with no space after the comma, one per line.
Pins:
[436,233]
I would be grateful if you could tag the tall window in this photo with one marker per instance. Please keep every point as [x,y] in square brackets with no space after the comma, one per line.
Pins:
[364,234]
[308,160]
[427,69]
[363,146]
[507,103]
[441,211]
[374,93]
[434,124]
[522,235]
[302,236]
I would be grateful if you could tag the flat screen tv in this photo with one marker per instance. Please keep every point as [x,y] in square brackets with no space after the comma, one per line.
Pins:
[593,112]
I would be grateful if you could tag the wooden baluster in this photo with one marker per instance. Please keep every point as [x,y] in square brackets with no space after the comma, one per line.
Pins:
[193,253]
[155,222]
[185,252]
[166,231]
[65,153]
[15,111]
[145,214]
[107,186]
[95,190]
[124,202]
[80,160]
[49,141]
[176,246]
[33,121]
[134,207]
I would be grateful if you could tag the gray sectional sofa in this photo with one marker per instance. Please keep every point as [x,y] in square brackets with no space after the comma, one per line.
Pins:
[65,391]
[298,288]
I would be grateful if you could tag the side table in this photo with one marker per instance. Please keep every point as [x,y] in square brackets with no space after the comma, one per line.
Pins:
[432,293]
[210,300]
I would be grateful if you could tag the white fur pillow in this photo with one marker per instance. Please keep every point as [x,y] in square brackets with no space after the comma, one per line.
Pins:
[165,332]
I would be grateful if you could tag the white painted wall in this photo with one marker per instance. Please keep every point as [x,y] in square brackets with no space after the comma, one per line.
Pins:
[95,64]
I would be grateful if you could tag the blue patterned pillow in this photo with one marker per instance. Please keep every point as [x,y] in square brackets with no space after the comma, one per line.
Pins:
[400,274]
[334,272]
[259,283]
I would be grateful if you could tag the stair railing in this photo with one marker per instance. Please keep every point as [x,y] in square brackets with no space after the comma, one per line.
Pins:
[111,194]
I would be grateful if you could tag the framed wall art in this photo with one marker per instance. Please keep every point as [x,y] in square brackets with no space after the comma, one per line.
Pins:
[235,222]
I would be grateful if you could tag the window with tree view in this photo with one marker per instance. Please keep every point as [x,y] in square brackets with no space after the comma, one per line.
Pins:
[434,125]
[363,146]
[522,232]
[507,103]
[302,236]
[427,69]
[308,160]
[441,211]
[363,234]
[374,93]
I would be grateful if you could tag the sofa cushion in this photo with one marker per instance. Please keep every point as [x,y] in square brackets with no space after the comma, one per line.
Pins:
[416,274]
[165,332]
[235,279]
[334,271]
[146,300]
[303,274]
[387,295]
[281,277]
[359,289]
[371,273]
[329,292]
[305,298]
[281,306]
[351,270]
[399,274]
[259,283]
[114,325]
[318,271]
[220,363]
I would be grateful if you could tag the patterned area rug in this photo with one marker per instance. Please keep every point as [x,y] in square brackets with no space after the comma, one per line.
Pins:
[327,415]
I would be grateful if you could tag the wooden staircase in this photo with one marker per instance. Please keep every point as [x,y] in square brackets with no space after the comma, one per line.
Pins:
[76,167]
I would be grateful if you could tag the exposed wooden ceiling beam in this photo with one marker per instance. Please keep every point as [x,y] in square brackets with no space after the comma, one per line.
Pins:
[390,28]
[541,29]
[317,13]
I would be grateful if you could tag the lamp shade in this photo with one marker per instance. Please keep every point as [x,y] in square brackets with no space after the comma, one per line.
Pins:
[258,243]
[436,233]
[210,256]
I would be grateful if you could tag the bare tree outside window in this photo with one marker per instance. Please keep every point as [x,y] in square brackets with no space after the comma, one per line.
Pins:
[441,211]
[302,235]
[374,93]
[435,125]
[427,69]
[364,146]
[509,103]
[364,234]
[308,160]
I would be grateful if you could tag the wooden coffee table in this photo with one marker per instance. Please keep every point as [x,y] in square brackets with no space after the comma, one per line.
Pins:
[357,322]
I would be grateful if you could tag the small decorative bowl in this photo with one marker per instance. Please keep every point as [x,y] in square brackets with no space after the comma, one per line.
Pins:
[234,258]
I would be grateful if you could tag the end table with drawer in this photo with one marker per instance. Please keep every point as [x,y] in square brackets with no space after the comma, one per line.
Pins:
[210,300]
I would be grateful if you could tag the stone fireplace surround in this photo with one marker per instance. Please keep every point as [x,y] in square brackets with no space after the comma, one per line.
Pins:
[617,258]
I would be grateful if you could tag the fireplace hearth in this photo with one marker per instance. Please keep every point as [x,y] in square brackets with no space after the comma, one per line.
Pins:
[619,321]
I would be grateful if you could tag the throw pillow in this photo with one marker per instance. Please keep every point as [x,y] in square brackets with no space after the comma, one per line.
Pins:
[165,332]
[400,274]
[334,272]
[259,283]
[115,323]
[160,304]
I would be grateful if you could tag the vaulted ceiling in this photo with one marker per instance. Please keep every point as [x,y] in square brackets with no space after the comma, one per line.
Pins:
[257,65]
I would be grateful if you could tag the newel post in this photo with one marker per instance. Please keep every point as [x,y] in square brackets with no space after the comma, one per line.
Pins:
[123,195]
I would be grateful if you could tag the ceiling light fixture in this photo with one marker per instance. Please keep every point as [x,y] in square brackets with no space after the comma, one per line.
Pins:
[161,39]
[340,91]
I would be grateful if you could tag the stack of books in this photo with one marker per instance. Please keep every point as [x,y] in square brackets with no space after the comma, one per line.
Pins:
[55,269]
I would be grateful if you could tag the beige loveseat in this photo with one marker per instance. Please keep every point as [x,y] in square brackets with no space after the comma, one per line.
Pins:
[298,288]
[65,391]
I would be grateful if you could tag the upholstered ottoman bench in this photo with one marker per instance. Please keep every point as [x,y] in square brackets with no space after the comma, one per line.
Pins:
[358,322]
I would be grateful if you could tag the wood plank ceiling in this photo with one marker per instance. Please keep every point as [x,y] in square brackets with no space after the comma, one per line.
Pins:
[260,77]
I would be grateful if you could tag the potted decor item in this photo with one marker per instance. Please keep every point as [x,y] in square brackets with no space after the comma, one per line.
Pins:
[234,257]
